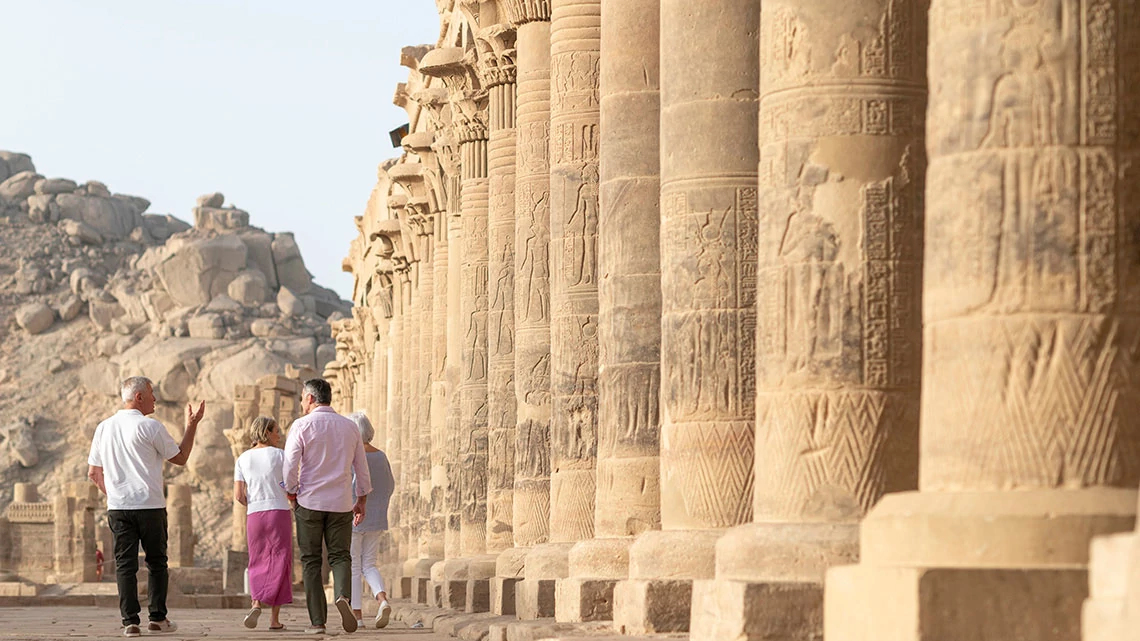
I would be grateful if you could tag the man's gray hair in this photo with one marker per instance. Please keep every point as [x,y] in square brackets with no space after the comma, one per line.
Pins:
[364,425]
[132,386]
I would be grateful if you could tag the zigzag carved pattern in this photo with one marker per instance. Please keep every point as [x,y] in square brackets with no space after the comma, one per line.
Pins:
[712,467]
[1032,402]
[572,505]
[829,453]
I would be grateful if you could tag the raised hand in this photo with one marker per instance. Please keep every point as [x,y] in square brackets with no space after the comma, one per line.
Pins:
[192,417]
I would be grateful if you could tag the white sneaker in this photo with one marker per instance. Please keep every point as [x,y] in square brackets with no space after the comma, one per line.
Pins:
[347,618]
[383,614]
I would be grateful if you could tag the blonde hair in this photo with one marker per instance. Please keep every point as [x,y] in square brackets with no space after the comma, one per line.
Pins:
[259,429]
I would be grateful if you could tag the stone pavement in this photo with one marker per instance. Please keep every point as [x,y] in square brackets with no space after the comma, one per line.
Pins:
[102,623]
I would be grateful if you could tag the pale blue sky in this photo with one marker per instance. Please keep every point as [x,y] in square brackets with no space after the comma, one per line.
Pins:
[283,105]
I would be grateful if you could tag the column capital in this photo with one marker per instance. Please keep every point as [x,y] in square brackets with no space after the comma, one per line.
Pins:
[496,47]
[520,12]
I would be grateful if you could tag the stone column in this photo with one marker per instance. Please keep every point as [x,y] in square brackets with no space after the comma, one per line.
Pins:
[709,90]
[501,415]
[840,271]
[532,308]
[433,526]
[1031,298]
[25,493]
[443,457]
[395,449]
[627,500]
[575,57]
[180,515]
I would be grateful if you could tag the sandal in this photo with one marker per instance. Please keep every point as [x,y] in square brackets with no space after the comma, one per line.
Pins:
[278,628]
[250,620]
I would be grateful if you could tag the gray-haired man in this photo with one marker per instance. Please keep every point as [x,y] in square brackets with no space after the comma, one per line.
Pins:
[126,463]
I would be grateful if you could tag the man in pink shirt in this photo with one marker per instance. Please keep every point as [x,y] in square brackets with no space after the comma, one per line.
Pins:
[322,452]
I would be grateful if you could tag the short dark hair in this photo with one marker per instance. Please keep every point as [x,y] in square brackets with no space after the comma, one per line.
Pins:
[320,390]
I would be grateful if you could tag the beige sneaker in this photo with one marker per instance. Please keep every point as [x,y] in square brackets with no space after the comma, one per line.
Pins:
[161,627]
[347,618]
[132,630]
[383,614]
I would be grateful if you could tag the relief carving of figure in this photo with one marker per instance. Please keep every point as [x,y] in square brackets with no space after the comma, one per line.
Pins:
[815,288]
[1026,99]
[582,230]
[535,260]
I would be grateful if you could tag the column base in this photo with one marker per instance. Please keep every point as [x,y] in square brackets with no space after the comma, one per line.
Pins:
[973,565]
[868,603]
[479,573]
[509,568]
[652,606]
[1111,560]
[595,567]
[535,595]
[756,611]
[580,600]
[662,567]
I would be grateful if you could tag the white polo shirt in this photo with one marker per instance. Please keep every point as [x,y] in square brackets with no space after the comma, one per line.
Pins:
[131,449]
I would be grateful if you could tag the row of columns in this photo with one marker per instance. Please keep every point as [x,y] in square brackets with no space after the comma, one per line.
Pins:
[689,284]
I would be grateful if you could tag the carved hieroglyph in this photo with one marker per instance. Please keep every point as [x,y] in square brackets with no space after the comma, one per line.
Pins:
[575,56]
[629,296]
[708,272]
[501,415]
[532,278]
[473,316]
[1032,286]
[841,173]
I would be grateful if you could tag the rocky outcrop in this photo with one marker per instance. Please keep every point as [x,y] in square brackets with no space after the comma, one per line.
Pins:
[94,288]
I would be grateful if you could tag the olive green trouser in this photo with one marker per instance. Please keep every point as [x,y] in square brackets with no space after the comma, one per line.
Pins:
[335,530]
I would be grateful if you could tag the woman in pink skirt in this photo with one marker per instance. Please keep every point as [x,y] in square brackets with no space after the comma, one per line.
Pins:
[260,486]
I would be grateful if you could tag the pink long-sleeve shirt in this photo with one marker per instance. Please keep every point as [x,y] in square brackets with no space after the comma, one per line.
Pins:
[321,454]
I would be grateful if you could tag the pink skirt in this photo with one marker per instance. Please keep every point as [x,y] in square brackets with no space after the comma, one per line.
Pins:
[270,536]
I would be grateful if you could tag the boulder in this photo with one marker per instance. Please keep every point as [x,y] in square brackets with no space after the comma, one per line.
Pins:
[19,438]
[298,351]
[19,186]
[96,188]
[289,303]
[223,303]
[35,318]
[70,308]
[260,256]
[102,312]
[172,364]
[161,227]
[207,326]
[157,303]
[290,266]
[262,327]
[80,230]
[100,377]
[195,270]
[42,208]
[136,202]
[84,279]
[113,218]
[326,353]
[327,302]
[219,377]
[55,186]
[131,300]
[222,220]
[15,163]
[215,200]
[248,288]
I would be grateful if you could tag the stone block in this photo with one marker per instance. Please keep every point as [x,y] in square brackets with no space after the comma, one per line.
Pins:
[420,591]
[403,588]
[1110,558]
[233,571]
[478,593]
[534,599]
[15,588]
[756,611]
[651,606]
[578,600]
[503,594]
[1102,620]
[877,603]
[454,594]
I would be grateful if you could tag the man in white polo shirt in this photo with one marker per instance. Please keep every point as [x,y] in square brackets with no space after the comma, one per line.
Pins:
[126,463]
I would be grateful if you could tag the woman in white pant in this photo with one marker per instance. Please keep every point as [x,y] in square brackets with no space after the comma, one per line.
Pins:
[366,534]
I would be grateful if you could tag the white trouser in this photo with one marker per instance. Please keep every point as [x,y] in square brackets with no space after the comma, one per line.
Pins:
[365,550]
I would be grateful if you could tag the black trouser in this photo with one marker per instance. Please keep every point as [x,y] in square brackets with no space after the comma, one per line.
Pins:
[335,529]
[131,527]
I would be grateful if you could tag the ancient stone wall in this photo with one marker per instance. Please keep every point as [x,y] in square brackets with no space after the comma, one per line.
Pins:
[704,292]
